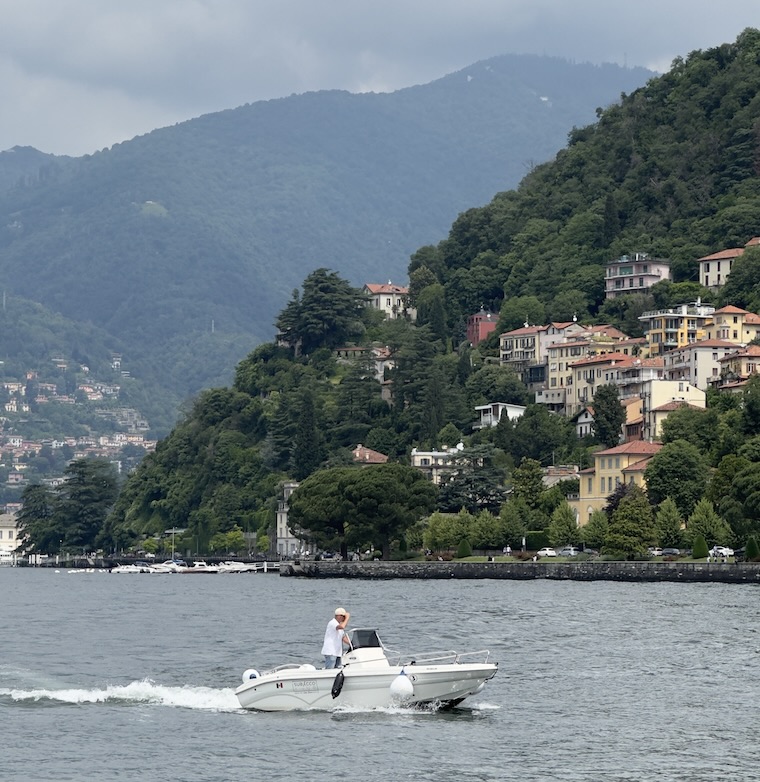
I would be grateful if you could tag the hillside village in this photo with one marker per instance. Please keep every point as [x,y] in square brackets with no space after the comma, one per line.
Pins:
[686,350]
[111,426]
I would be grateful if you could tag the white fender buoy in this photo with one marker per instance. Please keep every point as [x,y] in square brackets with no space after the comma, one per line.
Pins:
[401,687]
[251,673]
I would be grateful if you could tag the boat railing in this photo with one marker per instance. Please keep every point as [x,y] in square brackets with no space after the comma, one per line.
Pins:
[285,667]
[446,658]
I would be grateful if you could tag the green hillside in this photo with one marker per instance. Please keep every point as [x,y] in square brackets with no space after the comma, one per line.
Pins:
[672,171]
[183,243]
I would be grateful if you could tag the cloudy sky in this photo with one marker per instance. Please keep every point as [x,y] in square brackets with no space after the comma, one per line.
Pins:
[80,75]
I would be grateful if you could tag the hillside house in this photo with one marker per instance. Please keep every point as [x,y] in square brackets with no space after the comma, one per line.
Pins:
[364,455]
[435,464]
[622,464]
[715,268]
[491,414]
[655,396]
[733,324]
[736,368]
[393,300]
[634,274]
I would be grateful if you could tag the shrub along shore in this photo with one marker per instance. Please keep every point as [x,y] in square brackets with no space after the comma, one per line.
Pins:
[687,572]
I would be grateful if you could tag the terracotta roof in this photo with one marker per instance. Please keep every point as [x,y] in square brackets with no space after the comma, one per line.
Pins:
[374,287]
[633,400]
[525,330]
[642,447]
[635,361]
[639,466]
[368,456]
[674,404]
[732,309]
[603,358]
[708,343]
[750,350]
[734,252]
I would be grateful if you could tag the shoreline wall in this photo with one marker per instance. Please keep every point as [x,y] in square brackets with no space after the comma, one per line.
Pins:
[686,572]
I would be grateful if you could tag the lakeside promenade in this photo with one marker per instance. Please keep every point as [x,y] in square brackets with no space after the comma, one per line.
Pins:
[685,572]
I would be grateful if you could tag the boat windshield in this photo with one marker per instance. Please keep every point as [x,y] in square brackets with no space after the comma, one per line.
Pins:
[363,639]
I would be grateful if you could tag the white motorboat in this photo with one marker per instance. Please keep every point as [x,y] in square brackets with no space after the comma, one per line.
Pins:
[130,569]
[199,566]
[372,676]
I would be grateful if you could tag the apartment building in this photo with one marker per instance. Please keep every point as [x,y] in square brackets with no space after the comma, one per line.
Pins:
[676,326]
[634,274]
[698,363]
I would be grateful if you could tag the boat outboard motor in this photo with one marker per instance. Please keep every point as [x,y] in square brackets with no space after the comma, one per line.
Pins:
[337,684]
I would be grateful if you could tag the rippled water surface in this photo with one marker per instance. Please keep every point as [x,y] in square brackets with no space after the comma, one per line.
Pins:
[117,677]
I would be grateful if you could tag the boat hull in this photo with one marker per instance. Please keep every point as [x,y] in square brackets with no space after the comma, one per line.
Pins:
[299,689]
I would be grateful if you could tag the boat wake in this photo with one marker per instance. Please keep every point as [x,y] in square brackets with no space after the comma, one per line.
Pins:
[134,693]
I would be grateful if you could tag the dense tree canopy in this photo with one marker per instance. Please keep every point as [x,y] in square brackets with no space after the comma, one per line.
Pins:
[354,507]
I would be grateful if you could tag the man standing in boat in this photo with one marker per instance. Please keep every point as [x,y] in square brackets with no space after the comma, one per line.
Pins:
[335,637]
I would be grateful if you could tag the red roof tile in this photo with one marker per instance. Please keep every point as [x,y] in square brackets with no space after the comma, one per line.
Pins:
[642,447]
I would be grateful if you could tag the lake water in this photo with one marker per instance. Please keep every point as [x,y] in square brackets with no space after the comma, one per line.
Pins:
[106,677]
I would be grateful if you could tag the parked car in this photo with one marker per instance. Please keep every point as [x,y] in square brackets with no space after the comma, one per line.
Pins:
[721,551]
[655,551]
[569,551]
[671,552]
[546,552]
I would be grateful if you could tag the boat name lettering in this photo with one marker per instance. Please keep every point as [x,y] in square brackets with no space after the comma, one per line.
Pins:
[307,685]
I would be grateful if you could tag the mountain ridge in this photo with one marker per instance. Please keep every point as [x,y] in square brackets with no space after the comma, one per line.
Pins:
[216,219]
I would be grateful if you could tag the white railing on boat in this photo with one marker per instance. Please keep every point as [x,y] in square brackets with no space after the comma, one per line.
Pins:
[437,658]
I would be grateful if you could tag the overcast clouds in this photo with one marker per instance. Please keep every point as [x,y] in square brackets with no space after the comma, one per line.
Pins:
[80,75]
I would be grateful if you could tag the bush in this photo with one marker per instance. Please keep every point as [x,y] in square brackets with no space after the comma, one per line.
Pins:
[752,550]
[536,539]
[464,549]
[699,550]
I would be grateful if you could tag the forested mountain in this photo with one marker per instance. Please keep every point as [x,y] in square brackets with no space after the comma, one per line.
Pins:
[183,243]
[673,170]
[20,166]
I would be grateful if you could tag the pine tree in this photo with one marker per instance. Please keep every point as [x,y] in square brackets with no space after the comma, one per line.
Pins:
[609,415]
[631,526]
[596,529]
[563,527]
[705,522]
[308,447]
[668,524]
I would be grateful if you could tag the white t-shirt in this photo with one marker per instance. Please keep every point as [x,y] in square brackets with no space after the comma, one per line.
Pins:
[333,644]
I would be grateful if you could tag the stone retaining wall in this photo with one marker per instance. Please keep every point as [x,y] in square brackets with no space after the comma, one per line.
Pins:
[688,572]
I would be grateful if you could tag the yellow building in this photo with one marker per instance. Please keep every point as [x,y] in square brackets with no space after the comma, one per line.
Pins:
[622,464]
[676,326]
[737,368]
[733,324]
